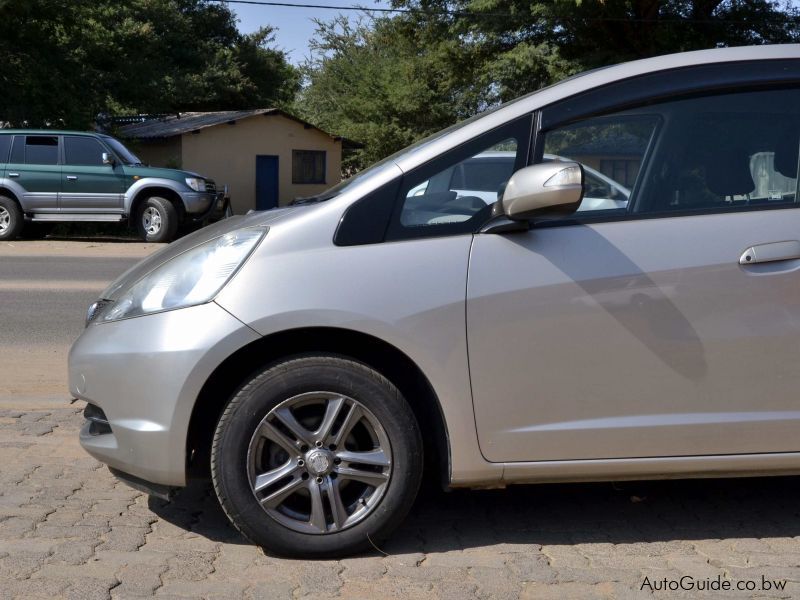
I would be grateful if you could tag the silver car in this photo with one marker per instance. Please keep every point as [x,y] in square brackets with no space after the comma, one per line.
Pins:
[316,359]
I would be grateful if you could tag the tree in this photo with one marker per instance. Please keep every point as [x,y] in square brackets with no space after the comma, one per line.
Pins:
[65,61]
[372,83]
[392,81]
[526,44]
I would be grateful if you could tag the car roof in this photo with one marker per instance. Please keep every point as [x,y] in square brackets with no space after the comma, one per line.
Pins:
[450,138]
[47,132]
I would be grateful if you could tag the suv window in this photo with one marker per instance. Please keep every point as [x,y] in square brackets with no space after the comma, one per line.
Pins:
[18,150]
[41,150]
[83,151]
[5,147]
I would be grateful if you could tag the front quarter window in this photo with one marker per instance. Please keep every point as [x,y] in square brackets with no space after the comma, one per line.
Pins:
[454,193]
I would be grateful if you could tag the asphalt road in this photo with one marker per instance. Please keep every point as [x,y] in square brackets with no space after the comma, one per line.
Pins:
[45,289]
[43,299]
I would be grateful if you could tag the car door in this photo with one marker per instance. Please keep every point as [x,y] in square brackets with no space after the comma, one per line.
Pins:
[34,166]
[88,185]
[668,327]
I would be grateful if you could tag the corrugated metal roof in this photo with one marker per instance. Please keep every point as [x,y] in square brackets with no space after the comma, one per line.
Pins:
[143,127]
[172,125]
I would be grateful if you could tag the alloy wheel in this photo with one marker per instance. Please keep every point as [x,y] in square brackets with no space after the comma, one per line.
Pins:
[151,220]
[5,219]
[319,462]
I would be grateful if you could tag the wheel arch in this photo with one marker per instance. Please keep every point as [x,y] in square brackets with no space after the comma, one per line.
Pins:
[8,192]
[156,190]
[385,358]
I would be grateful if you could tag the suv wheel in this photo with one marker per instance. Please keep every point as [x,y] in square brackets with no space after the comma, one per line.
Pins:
[157,220]
[11,218]
[319,456]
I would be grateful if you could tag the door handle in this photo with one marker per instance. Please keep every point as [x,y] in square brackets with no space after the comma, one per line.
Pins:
[772,252]
[13,174]
[72,177]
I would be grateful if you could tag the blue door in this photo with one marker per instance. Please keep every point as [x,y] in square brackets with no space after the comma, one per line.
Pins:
[266,182]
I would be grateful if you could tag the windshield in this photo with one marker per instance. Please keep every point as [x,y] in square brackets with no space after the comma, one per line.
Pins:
[128,157]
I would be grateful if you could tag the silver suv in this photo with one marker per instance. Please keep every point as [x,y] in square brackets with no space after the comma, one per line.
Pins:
[316,359]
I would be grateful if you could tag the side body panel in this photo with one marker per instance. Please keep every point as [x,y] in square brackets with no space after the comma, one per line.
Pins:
[635,339]
[92,189]
[37,186]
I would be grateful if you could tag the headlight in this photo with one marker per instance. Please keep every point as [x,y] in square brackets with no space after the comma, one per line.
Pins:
[191,278]
[197,184]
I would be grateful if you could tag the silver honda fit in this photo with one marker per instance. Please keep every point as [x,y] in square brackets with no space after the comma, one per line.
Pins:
[448,312]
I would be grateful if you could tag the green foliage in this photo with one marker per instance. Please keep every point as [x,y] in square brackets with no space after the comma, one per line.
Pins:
[394,80]
[64,61]
[381,85]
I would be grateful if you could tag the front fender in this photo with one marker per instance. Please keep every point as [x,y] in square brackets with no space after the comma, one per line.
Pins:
[151,182]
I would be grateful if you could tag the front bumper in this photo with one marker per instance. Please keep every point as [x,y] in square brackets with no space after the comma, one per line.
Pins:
[199,205]
[145,374]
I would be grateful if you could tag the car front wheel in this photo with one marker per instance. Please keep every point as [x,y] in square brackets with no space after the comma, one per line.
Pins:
[157,220]
[319,456]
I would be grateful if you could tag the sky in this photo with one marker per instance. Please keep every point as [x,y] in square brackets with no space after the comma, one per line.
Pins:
[294,25]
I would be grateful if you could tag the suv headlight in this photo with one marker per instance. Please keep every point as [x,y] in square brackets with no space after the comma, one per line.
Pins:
[189,279]
[197,184]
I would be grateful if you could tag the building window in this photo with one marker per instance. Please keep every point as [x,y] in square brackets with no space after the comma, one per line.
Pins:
[308,166]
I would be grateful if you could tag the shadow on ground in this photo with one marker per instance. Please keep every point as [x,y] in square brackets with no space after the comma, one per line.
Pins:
[563,514]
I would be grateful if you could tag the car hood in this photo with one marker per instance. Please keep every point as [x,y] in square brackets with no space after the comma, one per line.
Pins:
[144,171]
[255,219]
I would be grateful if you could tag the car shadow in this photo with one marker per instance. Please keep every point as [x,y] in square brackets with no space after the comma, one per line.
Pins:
[555,514]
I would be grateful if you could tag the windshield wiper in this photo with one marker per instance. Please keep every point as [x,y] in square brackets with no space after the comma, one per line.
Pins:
[301,200]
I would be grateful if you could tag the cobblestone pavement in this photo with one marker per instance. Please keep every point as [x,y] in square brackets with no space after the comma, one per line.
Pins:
[68,529]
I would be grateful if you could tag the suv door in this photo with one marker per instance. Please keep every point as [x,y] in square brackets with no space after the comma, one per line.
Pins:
[655,329]
[35,167]
[89,186]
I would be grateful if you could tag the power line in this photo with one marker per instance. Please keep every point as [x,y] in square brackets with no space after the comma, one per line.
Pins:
[456,13]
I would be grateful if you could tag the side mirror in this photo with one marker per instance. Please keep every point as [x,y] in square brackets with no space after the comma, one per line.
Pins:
[108,159]
[548,189]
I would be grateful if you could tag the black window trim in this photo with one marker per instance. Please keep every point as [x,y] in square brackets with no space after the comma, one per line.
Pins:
[662,86]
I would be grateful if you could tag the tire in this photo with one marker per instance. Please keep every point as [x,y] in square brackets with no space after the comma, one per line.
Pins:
[157,220]
[12,220]
[253,445]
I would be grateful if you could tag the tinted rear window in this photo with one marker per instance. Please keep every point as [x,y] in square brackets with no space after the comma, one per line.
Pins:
[41,150]
[5,147]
